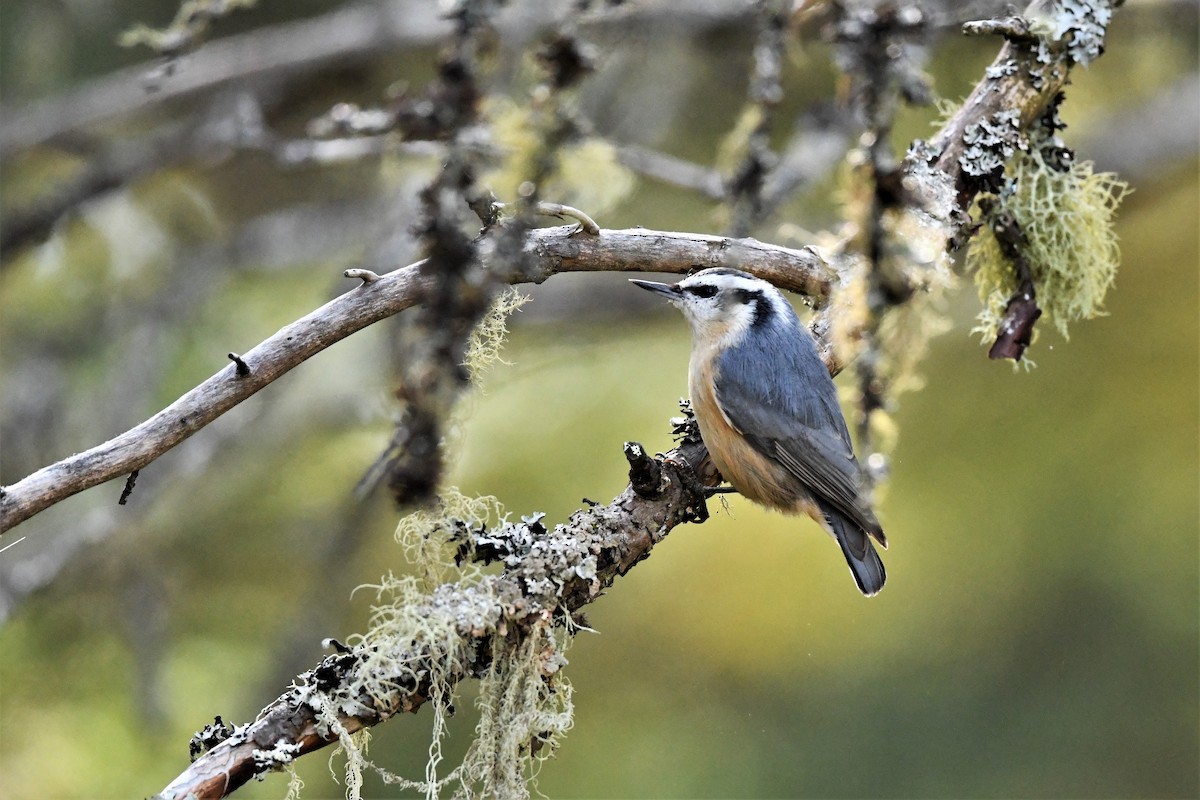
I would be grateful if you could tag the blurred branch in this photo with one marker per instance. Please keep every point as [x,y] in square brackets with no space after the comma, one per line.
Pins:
[752,132]
[817,146]
[186,31]
[550,251]
[595,546]
[224,130]
[354,33]
[1125,144]
[670,169]
[879,48]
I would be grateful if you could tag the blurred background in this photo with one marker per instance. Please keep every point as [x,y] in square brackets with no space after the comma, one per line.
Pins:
[1038,636]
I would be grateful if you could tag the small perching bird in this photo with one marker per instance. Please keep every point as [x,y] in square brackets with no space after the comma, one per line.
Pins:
[768,411]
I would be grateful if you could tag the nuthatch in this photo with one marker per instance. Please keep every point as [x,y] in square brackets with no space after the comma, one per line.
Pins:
[768,411]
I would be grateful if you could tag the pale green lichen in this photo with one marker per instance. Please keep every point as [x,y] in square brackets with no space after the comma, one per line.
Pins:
[1067,220]
[525,708]
[190,24]
[448,622]
[295,782]
[352,747]
[426,535]
[588,173]
[488,337]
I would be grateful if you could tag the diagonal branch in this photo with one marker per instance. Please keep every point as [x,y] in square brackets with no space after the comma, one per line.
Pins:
[662,494]
[552,250]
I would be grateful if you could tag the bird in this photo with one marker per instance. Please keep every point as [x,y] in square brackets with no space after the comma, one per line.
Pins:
[768,411]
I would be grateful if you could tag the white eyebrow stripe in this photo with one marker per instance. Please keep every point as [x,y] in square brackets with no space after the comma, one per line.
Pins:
[726,282]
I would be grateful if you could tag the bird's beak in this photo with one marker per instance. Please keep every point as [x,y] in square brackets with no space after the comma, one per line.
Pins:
[669,290]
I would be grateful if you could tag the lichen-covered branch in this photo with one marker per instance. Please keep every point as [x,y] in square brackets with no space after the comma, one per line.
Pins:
[752,132]
[548,578]
[971,148]
[550,250]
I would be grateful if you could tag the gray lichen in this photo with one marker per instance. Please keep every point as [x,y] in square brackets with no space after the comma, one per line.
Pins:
[990,143]
[275,757]
[1077,25]
[1001,70]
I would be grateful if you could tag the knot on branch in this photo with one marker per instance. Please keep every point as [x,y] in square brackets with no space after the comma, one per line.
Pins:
[645,473]
[242,369]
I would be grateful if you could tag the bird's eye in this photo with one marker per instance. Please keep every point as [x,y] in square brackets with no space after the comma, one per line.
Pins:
[703,290]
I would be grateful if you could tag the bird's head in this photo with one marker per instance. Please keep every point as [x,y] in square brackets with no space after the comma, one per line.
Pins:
[722,305]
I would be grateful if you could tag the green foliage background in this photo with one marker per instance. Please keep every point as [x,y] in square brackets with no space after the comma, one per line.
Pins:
[1037,637]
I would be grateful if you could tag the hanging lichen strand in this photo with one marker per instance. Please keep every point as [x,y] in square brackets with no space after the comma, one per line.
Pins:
[1049,246]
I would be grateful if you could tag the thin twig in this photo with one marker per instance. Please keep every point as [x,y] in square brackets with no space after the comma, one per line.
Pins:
[243,368]
[672,170]
[586,223]
[128,490]
[365,275]
[1015,331]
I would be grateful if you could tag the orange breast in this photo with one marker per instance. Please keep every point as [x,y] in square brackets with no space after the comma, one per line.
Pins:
[751,473]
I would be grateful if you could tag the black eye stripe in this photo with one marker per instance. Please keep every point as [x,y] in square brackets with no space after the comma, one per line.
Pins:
[703,290]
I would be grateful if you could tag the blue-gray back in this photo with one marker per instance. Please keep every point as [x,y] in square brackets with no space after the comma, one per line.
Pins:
[777,392]
[777,376]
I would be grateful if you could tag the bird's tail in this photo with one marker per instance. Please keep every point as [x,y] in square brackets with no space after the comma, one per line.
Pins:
[865,565]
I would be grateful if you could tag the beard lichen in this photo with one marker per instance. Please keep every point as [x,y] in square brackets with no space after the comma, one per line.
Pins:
[449,620]
[430,630]
[430,537]
[525,708]
[488,337]
[1066,215]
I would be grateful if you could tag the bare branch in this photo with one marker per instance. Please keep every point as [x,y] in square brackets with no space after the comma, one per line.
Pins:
[1016,328]
[550,251]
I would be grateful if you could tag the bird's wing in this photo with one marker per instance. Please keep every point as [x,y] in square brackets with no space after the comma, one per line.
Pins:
[801,427]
